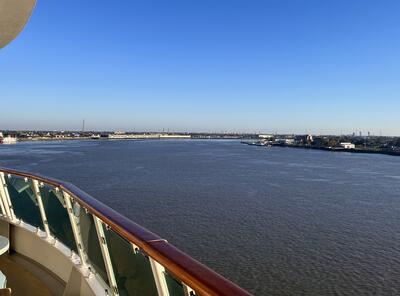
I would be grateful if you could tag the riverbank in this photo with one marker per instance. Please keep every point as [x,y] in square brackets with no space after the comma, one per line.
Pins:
[331,149]
[164,138]
[46,139]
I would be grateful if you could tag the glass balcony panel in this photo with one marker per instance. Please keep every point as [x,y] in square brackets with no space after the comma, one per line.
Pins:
[57,216]
[23,200]
[132,271]
[175,287]
[90,241]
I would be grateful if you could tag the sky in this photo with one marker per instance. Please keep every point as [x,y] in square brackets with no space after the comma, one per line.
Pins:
[299,66]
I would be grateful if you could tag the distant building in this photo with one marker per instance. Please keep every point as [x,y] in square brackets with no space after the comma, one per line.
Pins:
[265,136]
[347,145]
[289,141]
[283,141]
[174,136]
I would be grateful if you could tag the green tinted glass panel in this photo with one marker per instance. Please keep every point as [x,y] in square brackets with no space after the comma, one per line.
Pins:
[90,241]
[175,287]
[57,216]
[24,201]
[132,271]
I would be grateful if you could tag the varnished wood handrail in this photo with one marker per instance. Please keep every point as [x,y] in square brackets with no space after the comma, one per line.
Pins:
[194,274]
[5,292]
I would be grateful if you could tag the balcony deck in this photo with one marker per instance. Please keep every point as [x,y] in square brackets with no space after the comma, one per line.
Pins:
[25,277]
[47,219]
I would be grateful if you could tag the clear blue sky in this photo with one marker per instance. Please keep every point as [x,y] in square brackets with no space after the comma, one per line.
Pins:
[206,65]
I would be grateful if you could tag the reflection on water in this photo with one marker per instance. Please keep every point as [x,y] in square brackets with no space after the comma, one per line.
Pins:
[277,221]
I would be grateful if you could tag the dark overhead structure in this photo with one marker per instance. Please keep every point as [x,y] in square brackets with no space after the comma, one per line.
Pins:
[14,14]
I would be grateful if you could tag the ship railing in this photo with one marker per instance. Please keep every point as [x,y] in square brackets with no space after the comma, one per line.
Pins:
[127,258]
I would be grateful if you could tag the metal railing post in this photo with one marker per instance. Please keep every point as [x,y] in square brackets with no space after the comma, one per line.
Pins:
[3,207]
[188,291]
[6,197]
[106,255]
[41,207]
[159,277]
[74,226]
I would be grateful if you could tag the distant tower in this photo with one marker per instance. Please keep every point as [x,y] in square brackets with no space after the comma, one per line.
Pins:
[83,126]
[310,139]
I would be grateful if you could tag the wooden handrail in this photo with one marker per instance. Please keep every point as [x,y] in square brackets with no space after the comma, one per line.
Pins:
[194,274]
[5,292]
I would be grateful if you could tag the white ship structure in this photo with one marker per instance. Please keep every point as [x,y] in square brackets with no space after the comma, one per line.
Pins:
[7,140]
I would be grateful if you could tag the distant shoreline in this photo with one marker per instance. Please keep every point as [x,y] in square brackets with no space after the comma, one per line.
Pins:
[117,139]
[333,149]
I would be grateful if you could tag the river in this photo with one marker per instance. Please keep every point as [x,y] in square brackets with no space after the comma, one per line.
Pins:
[278,221]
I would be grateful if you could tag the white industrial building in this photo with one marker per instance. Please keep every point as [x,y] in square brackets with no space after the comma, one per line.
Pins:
[347,145]
[265,136]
